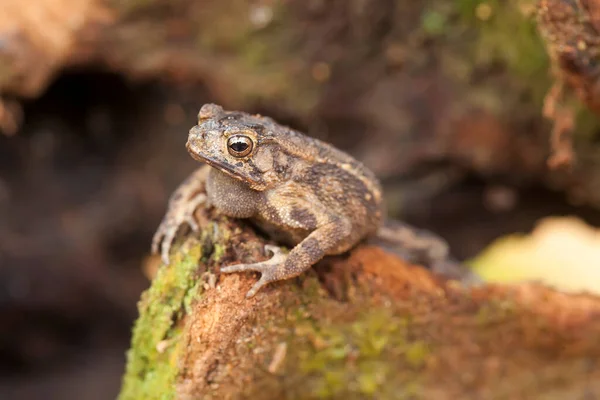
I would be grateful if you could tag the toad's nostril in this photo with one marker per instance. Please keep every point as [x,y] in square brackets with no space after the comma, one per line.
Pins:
[196,133]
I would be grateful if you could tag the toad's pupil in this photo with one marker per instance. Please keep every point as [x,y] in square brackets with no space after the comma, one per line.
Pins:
[239,146]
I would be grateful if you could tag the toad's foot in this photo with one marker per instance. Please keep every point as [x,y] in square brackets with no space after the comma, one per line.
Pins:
[304,255]
[270,270]
[182,205]
[422,247]
[416,245]
[179,213]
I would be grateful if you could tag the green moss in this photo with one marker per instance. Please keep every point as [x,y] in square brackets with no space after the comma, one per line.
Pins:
[433,22]
[360,357]
[219,251]
[152,360]
[416,354]
[216,237]
[586,121]
[263,60]
[497,23]
[493,26]
[191,295]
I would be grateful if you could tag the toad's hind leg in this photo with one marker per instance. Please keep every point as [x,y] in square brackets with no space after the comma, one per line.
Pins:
[308,252]
[415,244]
[422,247]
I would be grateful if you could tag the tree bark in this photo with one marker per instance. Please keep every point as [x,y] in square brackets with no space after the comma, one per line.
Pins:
[363,325]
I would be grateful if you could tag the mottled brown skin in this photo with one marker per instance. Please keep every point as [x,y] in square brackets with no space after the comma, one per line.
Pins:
[301,191]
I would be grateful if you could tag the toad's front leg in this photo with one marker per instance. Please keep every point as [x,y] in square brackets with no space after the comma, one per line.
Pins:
[308,252]
[182,205]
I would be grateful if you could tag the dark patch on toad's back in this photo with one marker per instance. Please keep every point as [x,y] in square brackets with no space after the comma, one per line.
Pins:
[272,213]
[353,188]
[304,217]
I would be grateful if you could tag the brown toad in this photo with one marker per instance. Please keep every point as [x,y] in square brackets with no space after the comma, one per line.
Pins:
[299,190]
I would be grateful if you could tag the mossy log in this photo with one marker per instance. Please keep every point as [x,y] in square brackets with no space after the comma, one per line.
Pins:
[362,325]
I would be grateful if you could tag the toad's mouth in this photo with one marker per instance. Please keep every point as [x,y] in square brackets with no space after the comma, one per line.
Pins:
[226,168]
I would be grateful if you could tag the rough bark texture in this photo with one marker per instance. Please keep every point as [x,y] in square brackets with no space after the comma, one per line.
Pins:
[360,326]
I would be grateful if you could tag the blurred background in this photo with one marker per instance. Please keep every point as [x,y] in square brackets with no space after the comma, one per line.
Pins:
[441,98]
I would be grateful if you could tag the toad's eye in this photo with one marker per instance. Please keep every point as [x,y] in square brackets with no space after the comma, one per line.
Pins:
[239,145]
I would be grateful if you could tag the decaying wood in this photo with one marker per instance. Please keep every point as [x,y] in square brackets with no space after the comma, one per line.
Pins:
[362,325]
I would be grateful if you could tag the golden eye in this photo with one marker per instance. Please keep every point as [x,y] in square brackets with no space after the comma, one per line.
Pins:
[239,145]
